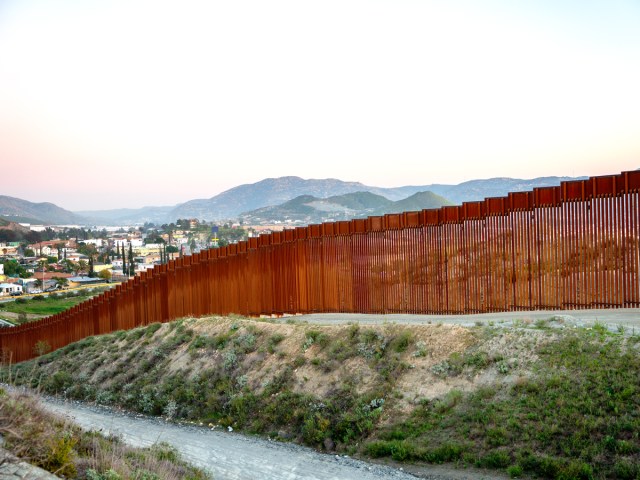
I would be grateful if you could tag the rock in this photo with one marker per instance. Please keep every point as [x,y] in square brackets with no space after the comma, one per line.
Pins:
[329,445]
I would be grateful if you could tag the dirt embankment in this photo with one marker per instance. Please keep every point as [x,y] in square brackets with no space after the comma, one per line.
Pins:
[473,395]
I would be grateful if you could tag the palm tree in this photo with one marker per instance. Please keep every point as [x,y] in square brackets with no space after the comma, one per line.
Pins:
[81,267]
[61,282]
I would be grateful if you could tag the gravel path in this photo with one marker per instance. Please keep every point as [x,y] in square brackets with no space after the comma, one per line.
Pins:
[227,455]
[625,317]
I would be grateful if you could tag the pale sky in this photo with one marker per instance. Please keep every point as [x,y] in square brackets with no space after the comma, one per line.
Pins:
[109,104]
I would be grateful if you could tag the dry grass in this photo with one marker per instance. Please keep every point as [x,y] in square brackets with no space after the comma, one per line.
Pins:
[64,449]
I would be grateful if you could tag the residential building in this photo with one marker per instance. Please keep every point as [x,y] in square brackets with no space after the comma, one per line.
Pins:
[7,289]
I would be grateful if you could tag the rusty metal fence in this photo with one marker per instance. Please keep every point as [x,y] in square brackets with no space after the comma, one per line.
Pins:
[567,247]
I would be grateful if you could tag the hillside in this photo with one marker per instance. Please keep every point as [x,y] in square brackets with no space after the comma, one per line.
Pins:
[45,213]
[307,209]
[6,224]
[419,201]
[276,191]
[511,397]
[271,191]
[475,190]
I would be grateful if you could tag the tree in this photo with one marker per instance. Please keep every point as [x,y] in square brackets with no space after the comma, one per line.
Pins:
[124,262]
[155,238]
[105,274]
[7,235]
[41,347]
[132,267]
[59,247]
[172,249]
[81,267]
[87,249]
[14,269]
[28,252]
[91,272]
[33,237]
[68,265]
[61,282]
[42,264]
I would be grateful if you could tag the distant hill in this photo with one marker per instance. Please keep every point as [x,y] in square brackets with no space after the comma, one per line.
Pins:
[420,201]
[275,191]
[307,209]
[271,191]
[475,190]
[20,219]
[11,231]
[45,213]
[129,216]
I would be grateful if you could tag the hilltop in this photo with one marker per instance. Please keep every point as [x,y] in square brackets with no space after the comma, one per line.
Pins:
[511,397]
[275,191]
[271,192]
[44,213]
[308,209]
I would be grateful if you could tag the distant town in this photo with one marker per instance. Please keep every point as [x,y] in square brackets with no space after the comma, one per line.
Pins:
[44,248]
[36,259]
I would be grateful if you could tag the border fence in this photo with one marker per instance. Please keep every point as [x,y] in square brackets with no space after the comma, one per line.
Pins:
[567,247]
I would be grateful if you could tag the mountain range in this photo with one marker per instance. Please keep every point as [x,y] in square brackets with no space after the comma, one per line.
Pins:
[16,209]
[273,192]
[308,209]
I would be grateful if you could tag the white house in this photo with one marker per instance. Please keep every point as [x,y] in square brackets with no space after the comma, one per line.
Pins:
[93,241]
[10,288]
[76,257]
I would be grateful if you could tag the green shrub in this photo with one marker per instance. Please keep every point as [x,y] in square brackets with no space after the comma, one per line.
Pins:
[315,337]
[60,457]
[106,475]
[203,341]
[378,449]
[300,360]
[495,459]
[274,340]
[515,471]
[447,452]
[58,382]
[626,469]
[246,343]
[401,342]
[152,329]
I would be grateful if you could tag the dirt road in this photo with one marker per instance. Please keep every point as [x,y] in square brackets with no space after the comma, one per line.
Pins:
[628,318]
[228,455]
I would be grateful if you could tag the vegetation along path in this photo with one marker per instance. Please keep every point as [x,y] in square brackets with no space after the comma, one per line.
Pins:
[525,394]
[227,455]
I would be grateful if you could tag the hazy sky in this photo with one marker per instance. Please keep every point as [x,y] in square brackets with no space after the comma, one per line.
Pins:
[107,104]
